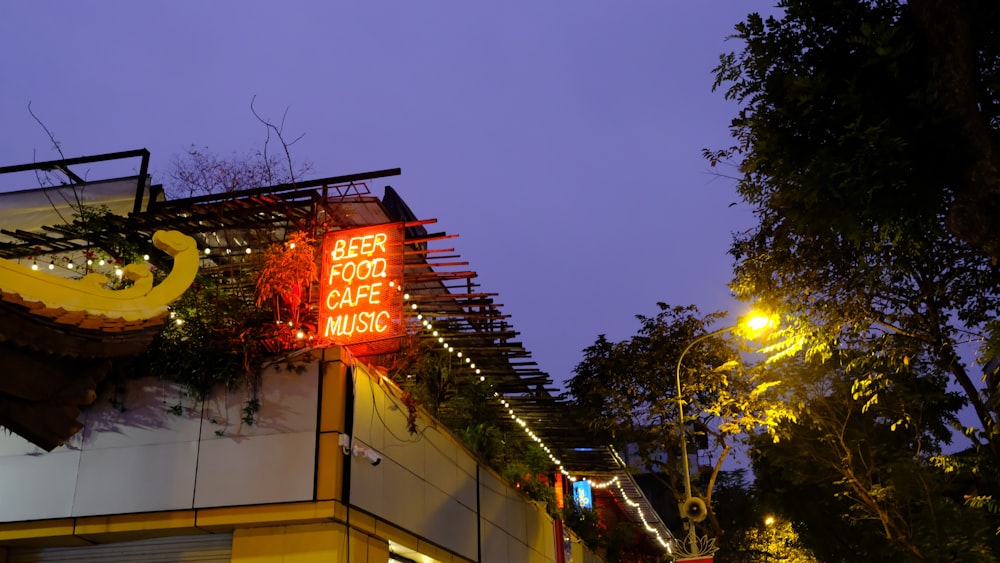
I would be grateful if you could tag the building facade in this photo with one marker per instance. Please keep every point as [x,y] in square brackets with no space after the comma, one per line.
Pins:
[327,472]
[325,459]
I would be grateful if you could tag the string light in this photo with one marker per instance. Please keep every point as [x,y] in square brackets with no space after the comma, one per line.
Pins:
[616,482]
[642,515]
[91,259]
[429,327]
[509,409]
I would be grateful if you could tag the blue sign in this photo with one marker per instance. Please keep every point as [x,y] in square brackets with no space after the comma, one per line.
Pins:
[583,495]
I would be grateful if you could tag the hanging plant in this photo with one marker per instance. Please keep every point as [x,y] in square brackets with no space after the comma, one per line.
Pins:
[288,271]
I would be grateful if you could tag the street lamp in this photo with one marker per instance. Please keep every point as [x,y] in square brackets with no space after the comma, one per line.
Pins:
[694,508]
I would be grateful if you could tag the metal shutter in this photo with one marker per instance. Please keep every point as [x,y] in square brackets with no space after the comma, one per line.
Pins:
[214,548]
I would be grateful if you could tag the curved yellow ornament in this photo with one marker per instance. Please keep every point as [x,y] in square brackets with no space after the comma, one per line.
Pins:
[89,296]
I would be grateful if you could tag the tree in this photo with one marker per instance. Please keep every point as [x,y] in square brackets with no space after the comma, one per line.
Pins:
[863,139]
[626,393]
[868,477]
[879,113]
[771,540]
[855,162]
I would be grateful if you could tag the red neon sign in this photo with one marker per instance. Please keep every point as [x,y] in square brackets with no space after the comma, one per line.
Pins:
[360,296]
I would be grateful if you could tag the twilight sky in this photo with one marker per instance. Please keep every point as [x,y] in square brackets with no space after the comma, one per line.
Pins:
[561,140]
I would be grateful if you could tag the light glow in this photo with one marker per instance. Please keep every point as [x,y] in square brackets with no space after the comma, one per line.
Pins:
[758,322]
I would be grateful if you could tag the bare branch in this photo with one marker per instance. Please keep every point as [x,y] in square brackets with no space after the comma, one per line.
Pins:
[281,138]
[40,180]
[55,143]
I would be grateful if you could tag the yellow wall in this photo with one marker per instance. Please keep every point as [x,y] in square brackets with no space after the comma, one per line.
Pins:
[306,544]
[332,416]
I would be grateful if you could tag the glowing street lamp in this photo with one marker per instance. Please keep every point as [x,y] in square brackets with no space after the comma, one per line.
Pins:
[694,508]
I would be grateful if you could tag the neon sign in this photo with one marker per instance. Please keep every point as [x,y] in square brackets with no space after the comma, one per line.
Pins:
[360,297]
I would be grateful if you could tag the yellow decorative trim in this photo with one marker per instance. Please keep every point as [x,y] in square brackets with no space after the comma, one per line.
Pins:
[390,532]
[76,531]
[36,529]
[94,525]
[142,301]
[213,519]
[362,521]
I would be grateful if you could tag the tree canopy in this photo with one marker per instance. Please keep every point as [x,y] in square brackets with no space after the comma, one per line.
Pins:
[880,114]
[866,144]
[626,392]
[854,160]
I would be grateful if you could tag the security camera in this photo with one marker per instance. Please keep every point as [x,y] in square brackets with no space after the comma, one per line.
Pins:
[373,457]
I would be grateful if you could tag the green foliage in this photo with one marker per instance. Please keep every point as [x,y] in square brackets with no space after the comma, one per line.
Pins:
[832,93]
[112,244]
[430,376]
[250,409]
[618,541]
[773,542]
[626,392]
[236,315]
[203,342]
[586,524]
[875,486]
[859,144]
[285,276]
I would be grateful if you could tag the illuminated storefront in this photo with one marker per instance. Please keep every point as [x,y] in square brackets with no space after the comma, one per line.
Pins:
[327,469]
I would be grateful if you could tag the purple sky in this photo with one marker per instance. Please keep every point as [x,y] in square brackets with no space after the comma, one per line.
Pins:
[561,140]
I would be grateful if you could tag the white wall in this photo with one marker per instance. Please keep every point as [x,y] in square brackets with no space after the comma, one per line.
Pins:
[146,458]
[426,484]
[138,456]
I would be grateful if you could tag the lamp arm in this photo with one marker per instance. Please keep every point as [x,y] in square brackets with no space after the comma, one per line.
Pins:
[680,407]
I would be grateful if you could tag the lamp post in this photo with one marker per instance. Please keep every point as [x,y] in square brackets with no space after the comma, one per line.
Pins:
[694,508]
